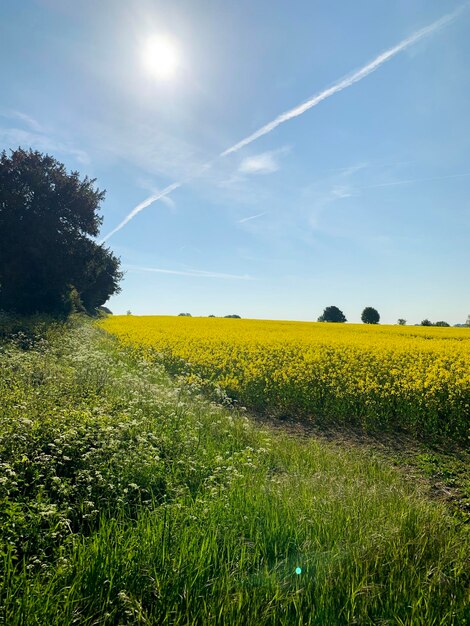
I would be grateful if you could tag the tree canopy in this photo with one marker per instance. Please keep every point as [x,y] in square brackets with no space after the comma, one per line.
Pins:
[47,219]
[332,314]
[370,315]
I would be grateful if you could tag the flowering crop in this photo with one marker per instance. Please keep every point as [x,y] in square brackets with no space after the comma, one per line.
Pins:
[414,378]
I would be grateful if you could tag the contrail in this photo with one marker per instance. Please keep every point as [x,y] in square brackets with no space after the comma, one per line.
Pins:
[196,273]
[252,217]
[150,200]
[343,83]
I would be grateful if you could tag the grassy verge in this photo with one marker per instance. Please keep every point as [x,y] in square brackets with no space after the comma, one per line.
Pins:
[125,499]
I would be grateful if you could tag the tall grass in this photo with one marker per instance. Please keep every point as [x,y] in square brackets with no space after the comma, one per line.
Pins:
[126,500]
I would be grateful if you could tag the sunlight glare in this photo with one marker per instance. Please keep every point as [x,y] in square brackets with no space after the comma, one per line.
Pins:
[160,57]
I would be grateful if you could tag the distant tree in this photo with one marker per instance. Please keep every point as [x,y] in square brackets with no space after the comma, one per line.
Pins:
[184,315]
[401,322]
[426,322]
[211,316]
[237,317]
[332,314]
[48,261]
[441,324]
[370,315]
[467,323]
[128,312]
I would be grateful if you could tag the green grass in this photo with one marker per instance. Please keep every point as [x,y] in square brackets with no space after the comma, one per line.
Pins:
[125,499]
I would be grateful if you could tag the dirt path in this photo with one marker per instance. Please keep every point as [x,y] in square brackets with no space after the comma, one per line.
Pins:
[443,471]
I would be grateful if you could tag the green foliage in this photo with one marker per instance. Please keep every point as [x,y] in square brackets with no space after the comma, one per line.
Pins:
[234,317]
[125,499]
[426,322]
[99,274]
[47,217]
[103,311]
[332,314]
[445,324]
[401,322]
[370,315]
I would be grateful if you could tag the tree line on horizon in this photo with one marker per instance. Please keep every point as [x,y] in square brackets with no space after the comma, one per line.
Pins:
[333,314]
[371,316]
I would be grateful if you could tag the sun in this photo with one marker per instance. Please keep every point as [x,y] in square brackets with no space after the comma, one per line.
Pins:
[160,57]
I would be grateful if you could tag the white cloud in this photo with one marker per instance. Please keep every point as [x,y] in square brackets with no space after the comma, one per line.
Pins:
[265,163]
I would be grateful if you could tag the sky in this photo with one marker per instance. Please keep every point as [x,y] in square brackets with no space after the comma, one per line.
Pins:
[299,155]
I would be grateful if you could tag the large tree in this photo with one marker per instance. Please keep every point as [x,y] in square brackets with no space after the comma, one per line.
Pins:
[332,314]
[47,219]
[370,315]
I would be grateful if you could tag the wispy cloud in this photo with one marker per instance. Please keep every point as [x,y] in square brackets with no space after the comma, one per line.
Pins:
[252,217]
[340,85]
[350,169]
[186,248]
[14,137]
[156,152]
[264,163]
[344,83]
[409,181]
[194,273]
[169,202]
[341,192]
[23,117]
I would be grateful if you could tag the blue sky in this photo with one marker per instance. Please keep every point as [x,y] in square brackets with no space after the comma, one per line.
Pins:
[361,200]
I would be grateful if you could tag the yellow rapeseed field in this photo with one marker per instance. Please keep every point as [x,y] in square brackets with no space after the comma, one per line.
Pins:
[416,378]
